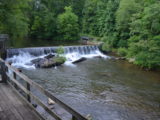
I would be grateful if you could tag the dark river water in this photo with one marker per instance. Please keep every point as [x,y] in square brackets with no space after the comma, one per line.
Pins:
[106,89]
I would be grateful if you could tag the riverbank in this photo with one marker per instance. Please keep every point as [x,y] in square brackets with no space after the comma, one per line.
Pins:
[121,54]
[115,53]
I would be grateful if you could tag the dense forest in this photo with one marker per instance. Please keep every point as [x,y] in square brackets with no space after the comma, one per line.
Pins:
[130,27]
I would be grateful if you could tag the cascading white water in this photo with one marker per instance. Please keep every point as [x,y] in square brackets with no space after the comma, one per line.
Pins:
[23,57]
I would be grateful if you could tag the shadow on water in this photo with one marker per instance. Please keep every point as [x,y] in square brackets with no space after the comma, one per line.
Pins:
[22,43]
[106,89]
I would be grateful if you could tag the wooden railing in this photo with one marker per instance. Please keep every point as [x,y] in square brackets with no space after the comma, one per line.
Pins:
[12,81]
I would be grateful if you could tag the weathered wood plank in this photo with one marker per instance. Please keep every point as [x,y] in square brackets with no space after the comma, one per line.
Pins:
[28,88]
[7,105]
[28,104]
[14,108]
[21,107]
[4,116]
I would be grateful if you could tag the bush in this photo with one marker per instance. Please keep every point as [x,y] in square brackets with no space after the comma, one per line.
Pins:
[60,50]
[146,60]
[122,51]
[110,40]
[68,28]
[60,59]
[123,43]
[106,47]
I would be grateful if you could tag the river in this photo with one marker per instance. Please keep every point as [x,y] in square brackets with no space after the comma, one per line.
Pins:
[107,89]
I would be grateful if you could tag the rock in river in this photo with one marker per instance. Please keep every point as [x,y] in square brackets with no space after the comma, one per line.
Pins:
[49,56]
[48,62]
[79,60]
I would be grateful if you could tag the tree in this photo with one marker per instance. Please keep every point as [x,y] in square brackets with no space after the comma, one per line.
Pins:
[68,28]
[123,19]
[13,18]
[108,30]
[89,17]
[144,43]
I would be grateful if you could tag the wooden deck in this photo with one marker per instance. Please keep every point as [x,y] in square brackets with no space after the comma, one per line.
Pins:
[12,107]
[17,106]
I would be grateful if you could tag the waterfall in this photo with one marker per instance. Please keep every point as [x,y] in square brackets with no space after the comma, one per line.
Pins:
[38,51]
[21,57]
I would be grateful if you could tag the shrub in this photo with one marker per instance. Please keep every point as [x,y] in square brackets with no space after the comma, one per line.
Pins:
[60,50]
[68,27]
[60,59]
[106,47]
[122,51]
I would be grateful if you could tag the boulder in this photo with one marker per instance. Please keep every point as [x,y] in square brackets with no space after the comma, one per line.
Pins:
[37,60]
[121,58]
[47,63]
[40,62]
[79,60]
[49,56]
[56,61]
[131,60]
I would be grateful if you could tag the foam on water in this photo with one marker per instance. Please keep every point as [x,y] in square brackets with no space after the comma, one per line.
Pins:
[23,59]
[71,57]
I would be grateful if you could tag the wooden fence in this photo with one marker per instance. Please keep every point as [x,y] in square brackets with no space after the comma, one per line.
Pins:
[6,78]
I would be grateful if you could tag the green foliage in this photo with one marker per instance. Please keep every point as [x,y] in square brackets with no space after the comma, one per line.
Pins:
[146,52]
[68,27]
[36,27]
[106,17]
[106,47]
[59,59]
[60,50]
[123,19]
[13,18]
[99,17]
[144,43]
[132,27]
[89,18]
[122,51]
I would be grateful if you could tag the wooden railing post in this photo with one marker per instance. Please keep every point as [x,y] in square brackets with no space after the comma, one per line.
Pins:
[28,97]
[15,76]
[3,73]
[28,88]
